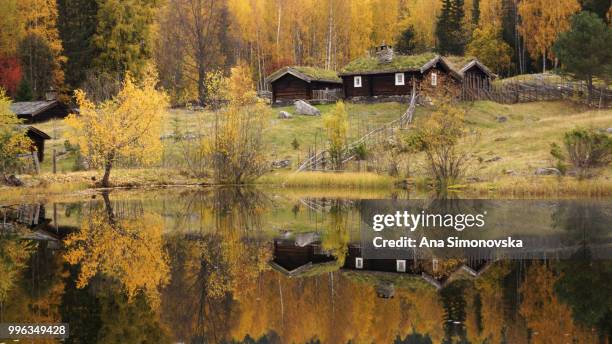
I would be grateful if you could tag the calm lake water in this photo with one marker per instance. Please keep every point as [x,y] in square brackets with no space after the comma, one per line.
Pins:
[289,266]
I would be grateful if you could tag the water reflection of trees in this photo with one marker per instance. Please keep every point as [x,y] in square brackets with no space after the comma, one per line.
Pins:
[217,287]
[213,269]
[126,249]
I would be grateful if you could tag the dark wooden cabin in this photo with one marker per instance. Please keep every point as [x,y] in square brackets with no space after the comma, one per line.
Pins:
[40,111]
[38,138]
[289,84]
[385,74]
[295,259]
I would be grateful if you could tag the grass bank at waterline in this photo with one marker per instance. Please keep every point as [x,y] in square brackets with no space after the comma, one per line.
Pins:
[359,180]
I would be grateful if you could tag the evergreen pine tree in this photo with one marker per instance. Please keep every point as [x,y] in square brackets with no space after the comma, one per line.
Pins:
[599,7]
[123,36]
[443,27]
[24,92]
[77,22]
[450,31]
[406,42]
[475,12]
[457,28]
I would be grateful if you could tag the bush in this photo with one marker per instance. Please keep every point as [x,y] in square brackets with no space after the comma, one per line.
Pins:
[439,138]
[584,149]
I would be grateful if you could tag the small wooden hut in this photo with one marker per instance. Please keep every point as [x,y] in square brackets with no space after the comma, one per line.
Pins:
[289,84]
[38,138]
[41,110]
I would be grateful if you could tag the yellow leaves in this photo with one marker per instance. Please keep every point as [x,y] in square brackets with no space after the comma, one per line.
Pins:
[541,22]
[235,145]
[13,258]
[336,124]
[39,17]
[546,316]
[488,45]
[12,138]
[241,92]
[127,250]
[127,126]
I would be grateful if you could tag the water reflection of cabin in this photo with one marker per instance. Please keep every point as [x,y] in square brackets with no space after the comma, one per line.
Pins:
[34,218]
[297,258]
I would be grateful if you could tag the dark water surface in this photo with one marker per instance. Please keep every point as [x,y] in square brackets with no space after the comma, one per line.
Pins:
[249,266]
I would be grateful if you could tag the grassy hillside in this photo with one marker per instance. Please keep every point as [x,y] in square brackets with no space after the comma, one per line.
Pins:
[521,143]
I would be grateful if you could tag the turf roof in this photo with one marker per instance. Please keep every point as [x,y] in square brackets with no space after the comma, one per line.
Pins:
[318,73]
[458,62]
[399,63]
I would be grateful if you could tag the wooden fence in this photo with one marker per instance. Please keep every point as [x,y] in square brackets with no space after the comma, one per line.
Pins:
[317,161]
[533,88]
[330,95]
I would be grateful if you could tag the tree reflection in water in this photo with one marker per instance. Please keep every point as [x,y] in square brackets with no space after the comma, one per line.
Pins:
[194,268]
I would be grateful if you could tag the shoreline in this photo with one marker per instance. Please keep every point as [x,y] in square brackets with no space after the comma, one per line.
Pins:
[80,183]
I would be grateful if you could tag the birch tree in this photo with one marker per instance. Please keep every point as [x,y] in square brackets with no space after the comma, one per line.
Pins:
[128,126]
[542,22]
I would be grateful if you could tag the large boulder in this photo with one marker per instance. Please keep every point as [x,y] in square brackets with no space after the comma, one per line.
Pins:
[303,108]
[501,119]
[281,163]
[284,115]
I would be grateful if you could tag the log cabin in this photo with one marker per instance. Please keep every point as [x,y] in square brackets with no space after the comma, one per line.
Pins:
[296,259]
[41,110]
[385,74]
[289,84]
[38,138]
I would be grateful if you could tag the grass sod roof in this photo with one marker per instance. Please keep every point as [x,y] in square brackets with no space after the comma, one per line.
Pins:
[458,62]
[399,63]
[318,73]
[307,73]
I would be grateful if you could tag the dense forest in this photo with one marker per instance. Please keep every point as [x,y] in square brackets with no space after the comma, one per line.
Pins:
[70,44]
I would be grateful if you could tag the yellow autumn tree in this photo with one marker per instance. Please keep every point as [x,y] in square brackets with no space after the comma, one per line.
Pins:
[128,250]
[11,28]
[487,44]
[546,316]
[12,137]
[40,19]
[336,124]
[128,126]
[235,147]
[541,22]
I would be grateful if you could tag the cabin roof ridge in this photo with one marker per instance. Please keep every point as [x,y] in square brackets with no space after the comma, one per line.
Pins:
[306,73]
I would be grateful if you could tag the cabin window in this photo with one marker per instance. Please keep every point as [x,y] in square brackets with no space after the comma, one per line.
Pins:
[399,79]
[358,263]
[434,79]
[357,81]
[400,265]
[434,265]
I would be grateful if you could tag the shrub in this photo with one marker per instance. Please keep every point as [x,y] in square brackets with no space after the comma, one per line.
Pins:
[439,137]
[336,124]
[12,138]
[584,149]
[295,144]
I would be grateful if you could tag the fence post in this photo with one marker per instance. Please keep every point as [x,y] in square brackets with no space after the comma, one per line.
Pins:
[54,161]
[36,162]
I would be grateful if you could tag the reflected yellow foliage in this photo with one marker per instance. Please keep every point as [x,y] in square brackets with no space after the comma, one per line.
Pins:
[546,316]
[13,257]
[127,250]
